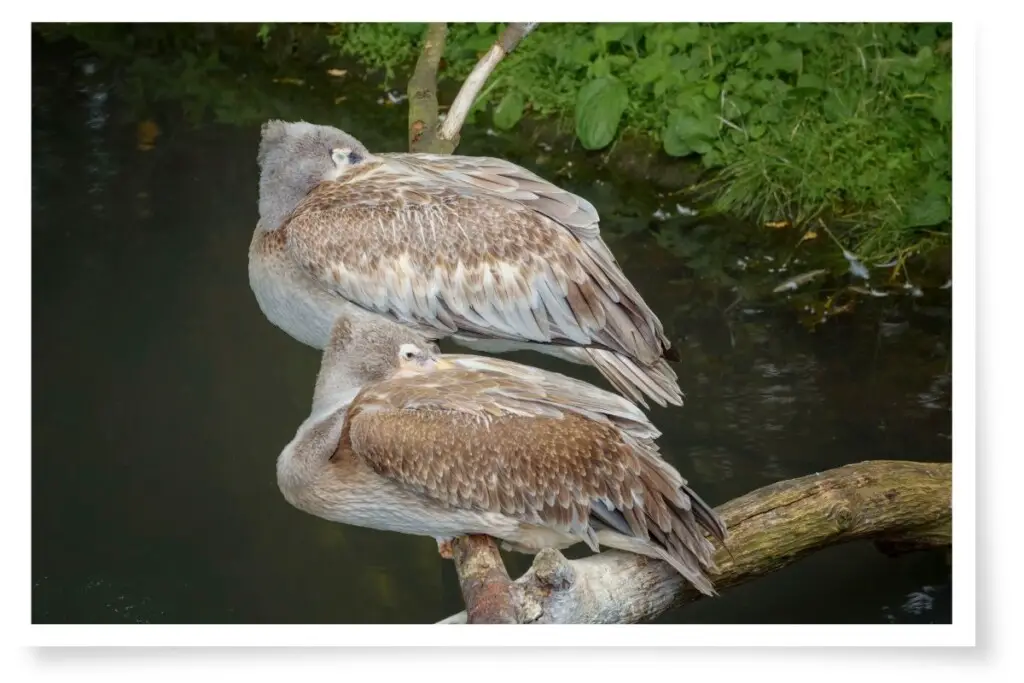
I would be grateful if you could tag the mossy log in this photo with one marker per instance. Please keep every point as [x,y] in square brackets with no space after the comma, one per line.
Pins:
[900,505]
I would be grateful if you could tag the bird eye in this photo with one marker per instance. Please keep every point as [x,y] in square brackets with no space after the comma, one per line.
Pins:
[407,352]
[340,155]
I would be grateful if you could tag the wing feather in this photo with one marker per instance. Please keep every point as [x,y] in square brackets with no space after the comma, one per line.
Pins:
[481,245]
[534,445]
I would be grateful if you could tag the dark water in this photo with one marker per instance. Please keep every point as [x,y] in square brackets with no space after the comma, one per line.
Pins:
[161,396]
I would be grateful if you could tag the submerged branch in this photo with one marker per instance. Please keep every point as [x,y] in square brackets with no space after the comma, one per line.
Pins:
[506,43]
[902,506]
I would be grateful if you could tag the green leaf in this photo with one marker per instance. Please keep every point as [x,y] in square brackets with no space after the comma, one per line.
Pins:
[738,81]
[810,81]
[801,33]
[476,44]
[610,33]
[711,90]
[924,58]
[685,35]
[599,68]
[835,108]
[509,110]
[583,51]
[930,210]
[694,75]
[674,146]
[662,85]
[701,146]
[791,60]
[737,105]
[711,158]
[770,113]
[413,29]
[684,133]
[650,69]
[942,106]
[599,107]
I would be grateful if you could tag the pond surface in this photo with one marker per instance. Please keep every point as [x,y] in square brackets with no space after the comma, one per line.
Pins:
[162,397]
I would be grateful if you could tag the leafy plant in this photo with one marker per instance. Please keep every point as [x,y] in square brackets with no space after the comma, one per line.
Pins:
[847,122]
[798,121]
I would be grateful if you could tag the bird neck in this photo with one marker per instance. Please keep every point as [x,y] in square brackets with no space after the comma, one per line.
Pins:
[315,442]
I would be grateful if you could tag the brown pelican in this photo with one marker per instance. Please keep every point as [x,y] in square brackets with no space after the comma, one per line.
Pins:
[475,249]
[402,438]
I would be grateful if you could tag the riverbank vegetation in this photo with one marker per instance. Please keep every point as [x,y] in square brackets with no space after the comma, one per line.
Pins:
[848,123]
[798,126]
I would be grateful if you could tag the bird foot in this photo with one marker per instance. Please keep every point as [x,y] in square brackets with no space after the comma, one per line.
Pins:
[444,548]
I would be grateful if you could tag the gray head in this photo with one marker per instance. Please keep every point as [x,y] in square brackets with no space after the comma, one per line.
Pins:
[368,349]
[294,158]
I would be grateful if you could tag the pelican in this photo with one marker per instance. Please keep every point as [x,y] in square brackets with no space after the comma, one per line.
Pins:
[405,439]
[474,249]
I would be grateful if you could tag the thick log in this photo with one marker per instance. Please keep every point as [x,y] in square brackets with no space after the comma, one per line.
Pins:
[901,505]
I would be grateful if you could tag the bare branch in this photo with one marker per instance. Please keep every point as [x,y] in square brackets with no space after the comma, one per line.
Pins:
[900,505]
[506,43]
[423,90]
[485,585]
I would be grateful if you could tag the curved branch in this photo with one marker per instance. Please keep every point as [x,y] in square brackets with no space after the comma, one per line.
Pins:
[506,43]
[482,576]
[900,505]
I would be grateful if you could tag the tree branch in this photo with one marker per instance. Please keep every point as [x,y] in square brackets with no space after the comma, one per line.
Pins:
[482,576]
[423,90]
[900,505]
[485,585]
[506,43]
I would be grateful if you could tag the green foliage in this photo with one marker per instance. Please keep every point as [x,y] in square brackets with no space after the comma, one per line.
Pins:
[599,109]
[509,110]
[850,123]
[379,46]
[842,121]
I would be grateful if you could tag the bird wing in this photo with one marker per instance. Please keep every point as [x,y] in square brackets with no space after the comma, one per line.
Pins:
[487,436]
[505,179]
[427,249]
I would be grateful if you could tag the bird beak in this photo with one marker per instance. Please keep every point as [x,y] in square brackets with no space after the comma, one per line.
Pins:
[438,363]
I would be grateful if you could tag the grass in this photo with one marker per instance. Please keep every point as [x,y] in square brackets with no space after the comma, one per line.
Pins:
[848,123]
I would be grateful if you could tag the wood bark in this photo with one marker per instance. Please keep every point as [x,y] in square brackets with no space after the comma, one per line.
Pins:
[483,579]
[900,505]
[422,91]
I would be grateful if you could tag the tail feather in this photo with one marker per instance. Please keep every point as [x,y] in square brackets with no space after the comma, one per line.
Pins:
[677,525]
[657,382]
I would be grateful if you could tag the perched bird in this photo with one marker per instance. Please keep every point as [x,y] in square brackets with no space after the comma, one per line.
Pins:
[474,249]
[402,438]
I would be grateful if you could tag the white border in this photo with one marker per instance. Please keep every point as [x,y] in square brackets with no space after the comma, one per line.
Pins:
[962,632]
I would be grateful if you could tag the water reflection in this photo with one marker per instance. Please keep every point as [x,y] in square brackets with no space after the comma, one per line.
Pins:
[155,431]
